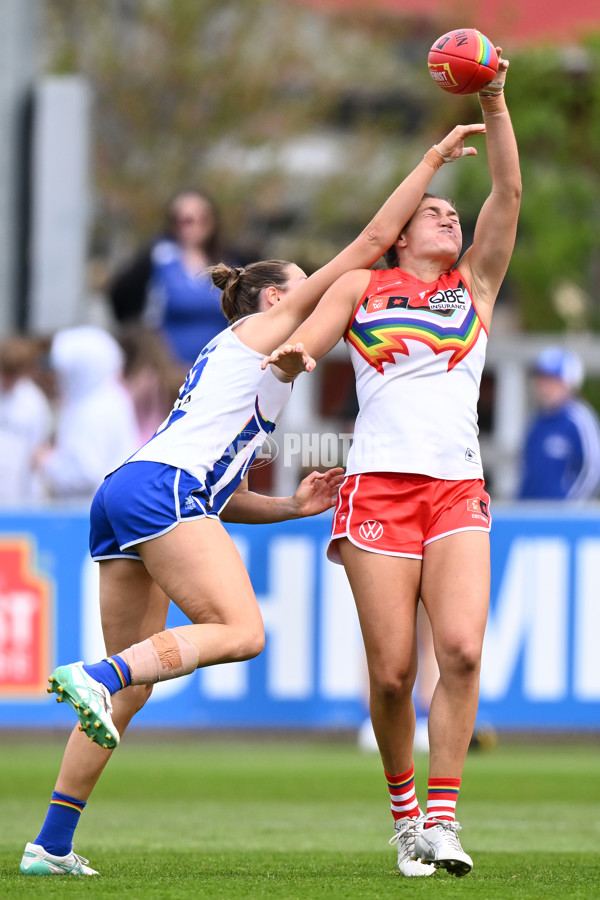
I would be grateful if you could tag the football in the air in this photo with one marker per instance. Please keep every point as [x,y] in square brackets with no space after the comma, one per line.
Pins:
[462,61]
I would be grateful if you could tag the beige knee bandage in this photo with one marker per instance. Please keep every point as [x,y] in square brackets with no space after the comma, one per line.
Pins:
[161,657]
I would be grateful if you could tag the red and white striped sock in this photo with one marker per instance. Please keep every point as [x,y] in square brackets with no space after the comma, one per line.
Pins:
[402,794]
[442,794]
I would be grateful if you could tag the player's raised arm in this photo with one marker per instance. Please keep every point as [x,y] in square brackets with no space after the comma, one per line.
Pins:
[378,236]
[485,263]
[324,327]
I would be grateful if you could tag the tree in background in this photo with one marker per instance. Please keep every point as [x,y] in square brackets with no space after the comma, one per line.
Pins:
[272,108]
[299,122]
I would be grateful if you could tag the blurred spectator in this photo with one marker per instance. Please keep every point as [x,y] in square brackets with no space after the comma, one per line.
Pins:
[152,377]
[561,456]
[25,421]
[96,428]
[166,286]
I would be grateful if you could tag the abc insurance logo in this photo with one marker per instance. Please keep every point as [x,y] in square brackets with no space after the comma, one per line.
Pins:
[25,606]
[370,530]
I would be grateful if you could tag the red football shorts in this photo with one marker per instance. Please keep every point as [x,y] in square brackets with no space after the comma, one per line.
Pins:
[398,514]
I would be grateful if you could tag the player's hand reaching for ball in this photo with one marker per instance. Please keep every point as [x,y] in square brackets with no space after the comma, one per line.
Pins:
[453,145]
[496,85]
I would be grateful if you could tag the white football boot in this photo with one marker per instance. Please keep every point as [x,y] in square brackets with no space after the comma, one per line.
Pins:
[90,700]
[405,836]
[37,861]
[440,846]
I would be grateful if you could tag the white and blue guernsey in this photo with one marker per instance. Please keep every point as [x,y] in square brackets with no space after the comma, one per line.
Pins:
[225,410]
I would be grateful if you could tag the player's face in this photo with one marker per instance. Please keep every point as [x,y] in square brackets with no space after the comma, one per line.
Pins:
[435,229]
[295,277]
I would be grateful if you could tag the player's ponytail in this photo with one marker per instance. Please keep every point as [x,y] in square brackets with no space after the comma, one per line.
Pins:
[241,287]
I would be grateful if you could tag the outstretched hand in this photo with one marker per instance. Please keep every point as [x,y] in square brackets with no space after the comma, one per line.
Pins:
[291,359]
[318,491]
[453,145]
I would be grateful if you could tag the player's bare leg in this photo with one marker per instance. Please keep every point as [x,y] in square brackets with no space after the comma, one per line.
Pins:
[386,591]
[198,566]
[132,608]
[427,678]
[455,590]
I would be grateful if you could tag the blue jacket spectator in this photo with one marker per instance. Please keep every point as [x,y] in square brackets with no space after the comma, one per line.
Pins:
[561,457]
[166,286]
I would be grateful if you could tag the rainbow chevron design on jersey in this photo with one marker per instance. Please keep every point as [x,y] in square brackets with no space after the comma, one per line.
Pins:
[377,337]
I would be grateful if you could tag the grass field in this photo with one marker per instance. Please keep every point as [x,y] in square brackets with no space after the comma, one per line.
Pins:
[268,818]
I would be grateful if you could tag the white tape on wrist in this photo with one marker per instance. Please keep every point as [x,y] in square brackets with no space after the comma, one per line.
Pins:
[492,89]
[445,158]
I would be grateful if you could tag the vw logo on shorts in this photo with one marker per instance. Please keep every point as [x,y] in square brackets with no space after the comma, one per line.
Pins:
[371,530]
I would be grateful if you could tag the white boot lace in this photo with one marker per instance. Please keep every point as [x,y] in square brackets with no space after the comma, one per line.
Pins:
[451,829]
[405,834]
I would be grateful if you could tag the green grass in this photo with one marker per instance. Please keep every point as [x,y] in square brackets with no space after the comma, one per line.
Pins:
[248,818]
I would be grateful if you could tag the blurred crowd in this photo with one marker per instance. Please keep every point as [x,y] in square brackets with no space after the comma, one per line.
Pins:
[74,405]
